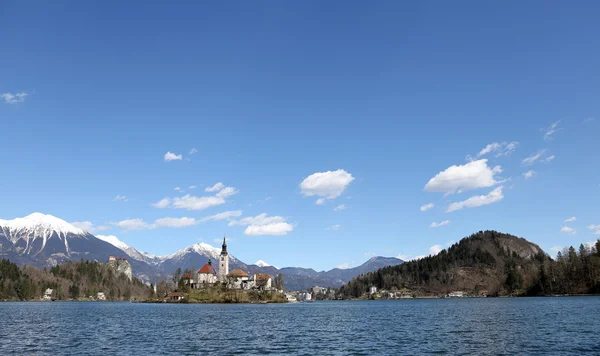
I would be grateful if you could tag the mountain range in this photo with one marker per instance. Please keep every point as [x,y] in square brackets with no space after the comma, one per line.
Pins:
[44,241]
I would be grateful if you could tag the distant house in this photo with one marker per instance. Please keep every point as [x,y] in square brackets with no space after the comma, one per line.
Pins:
[263,281]
[175,296]
[318,290]
[372,290]
[48,294]
[100,296]
[304,296]
[238,279]
[457,294]
[206,276]
[188,279]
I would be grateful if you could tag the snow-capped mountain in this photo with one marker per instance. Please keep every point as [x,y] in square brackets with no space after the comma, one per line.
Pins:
[130,251]
[34,232]
[44,240]
[261,263]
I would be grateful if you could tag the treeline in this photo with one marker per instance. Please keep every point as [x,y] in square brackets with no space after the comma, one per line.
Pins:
[573,272]
[488,262]
[70,280]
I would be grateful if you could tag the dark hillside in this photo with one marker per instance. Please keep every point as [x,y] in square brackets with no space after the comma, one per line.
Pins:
[489,261]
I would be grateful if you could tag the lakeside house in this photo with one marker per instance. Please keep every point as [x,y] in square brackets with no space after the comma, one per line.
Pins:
[49,294]
[175,296]
[304,296]
[100,296]
[372,290]
[456,294]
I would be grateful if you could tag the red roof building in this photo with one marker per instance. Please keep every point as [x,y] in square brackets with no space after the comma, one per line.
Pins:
[207,268]
[238,273]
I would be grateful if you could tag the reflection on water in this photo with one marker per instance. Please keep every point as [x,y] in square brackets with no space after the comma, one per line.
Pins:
[456,326]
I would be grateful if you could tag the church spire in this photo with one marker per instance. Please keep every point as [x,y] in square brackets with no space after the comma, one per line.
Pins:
[224,247]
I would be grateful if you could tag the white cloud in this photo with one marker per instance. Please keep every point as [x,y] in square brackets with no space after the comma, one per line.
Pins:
[549,159]
[340,207]
[226,215]
[596,228]
[192,187]
[435,249]
[335,227]
[549,131]
[326,185]
[589,119]
[192,151]
[529,174]
[163,203]
[345,265]
[140,224]
[479,200]
[501,149]
[370,254]
[190,202]
[569,230]
[170,156]
[571,219]
[261,219]
[227,192]
[174,222]
[473,175]
[121,198]
[276,229]
[533,158]
[132,224]
[426,207]
[89,227]
[441,223]
[215,187]
[264,225]
[16,98]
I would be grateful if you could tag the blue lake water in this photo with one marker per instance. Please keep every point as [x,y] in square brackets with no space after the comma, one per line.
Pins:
[560,326]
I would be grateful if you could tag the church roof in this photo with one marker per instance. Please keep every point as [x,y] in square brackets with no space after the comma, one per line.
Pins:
[262,276]
[238,273]
[207,268]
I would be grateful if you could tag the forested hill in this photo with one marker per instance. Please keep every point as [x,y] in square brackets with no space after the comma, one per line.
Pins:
[70,280]
[498,263]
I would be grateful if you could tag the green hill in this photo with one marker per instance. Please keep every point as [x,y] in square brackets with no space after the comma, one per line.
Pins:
[70,280]
[498,263]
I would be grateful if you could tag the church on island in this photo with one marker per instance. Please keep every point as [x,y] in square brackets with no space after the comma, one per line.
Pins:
[236,279]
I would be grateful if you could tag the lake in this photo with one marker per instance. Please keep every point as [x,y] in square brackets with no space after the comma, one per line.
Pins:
[509,326]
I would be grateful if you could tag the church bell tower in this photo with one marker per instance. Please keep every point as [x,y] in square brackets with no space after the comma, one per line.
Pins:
[224,263]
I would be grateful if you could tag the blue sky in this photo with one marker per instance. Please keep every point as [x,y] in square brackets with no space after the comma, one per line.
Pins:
[382,99]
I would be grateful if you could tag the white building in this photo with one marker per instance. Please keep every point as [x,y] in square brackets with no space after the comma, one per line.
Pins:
[224,263]
[456,294]
[48,294]
[206,276]
[317,290]
[238,279]
[372,290]
[304,296]
[100,296]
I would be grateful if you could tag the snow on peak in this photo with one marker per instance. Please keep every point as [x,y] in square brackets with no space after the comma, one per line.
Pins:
[261,263]
[113,240]
[39,221]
